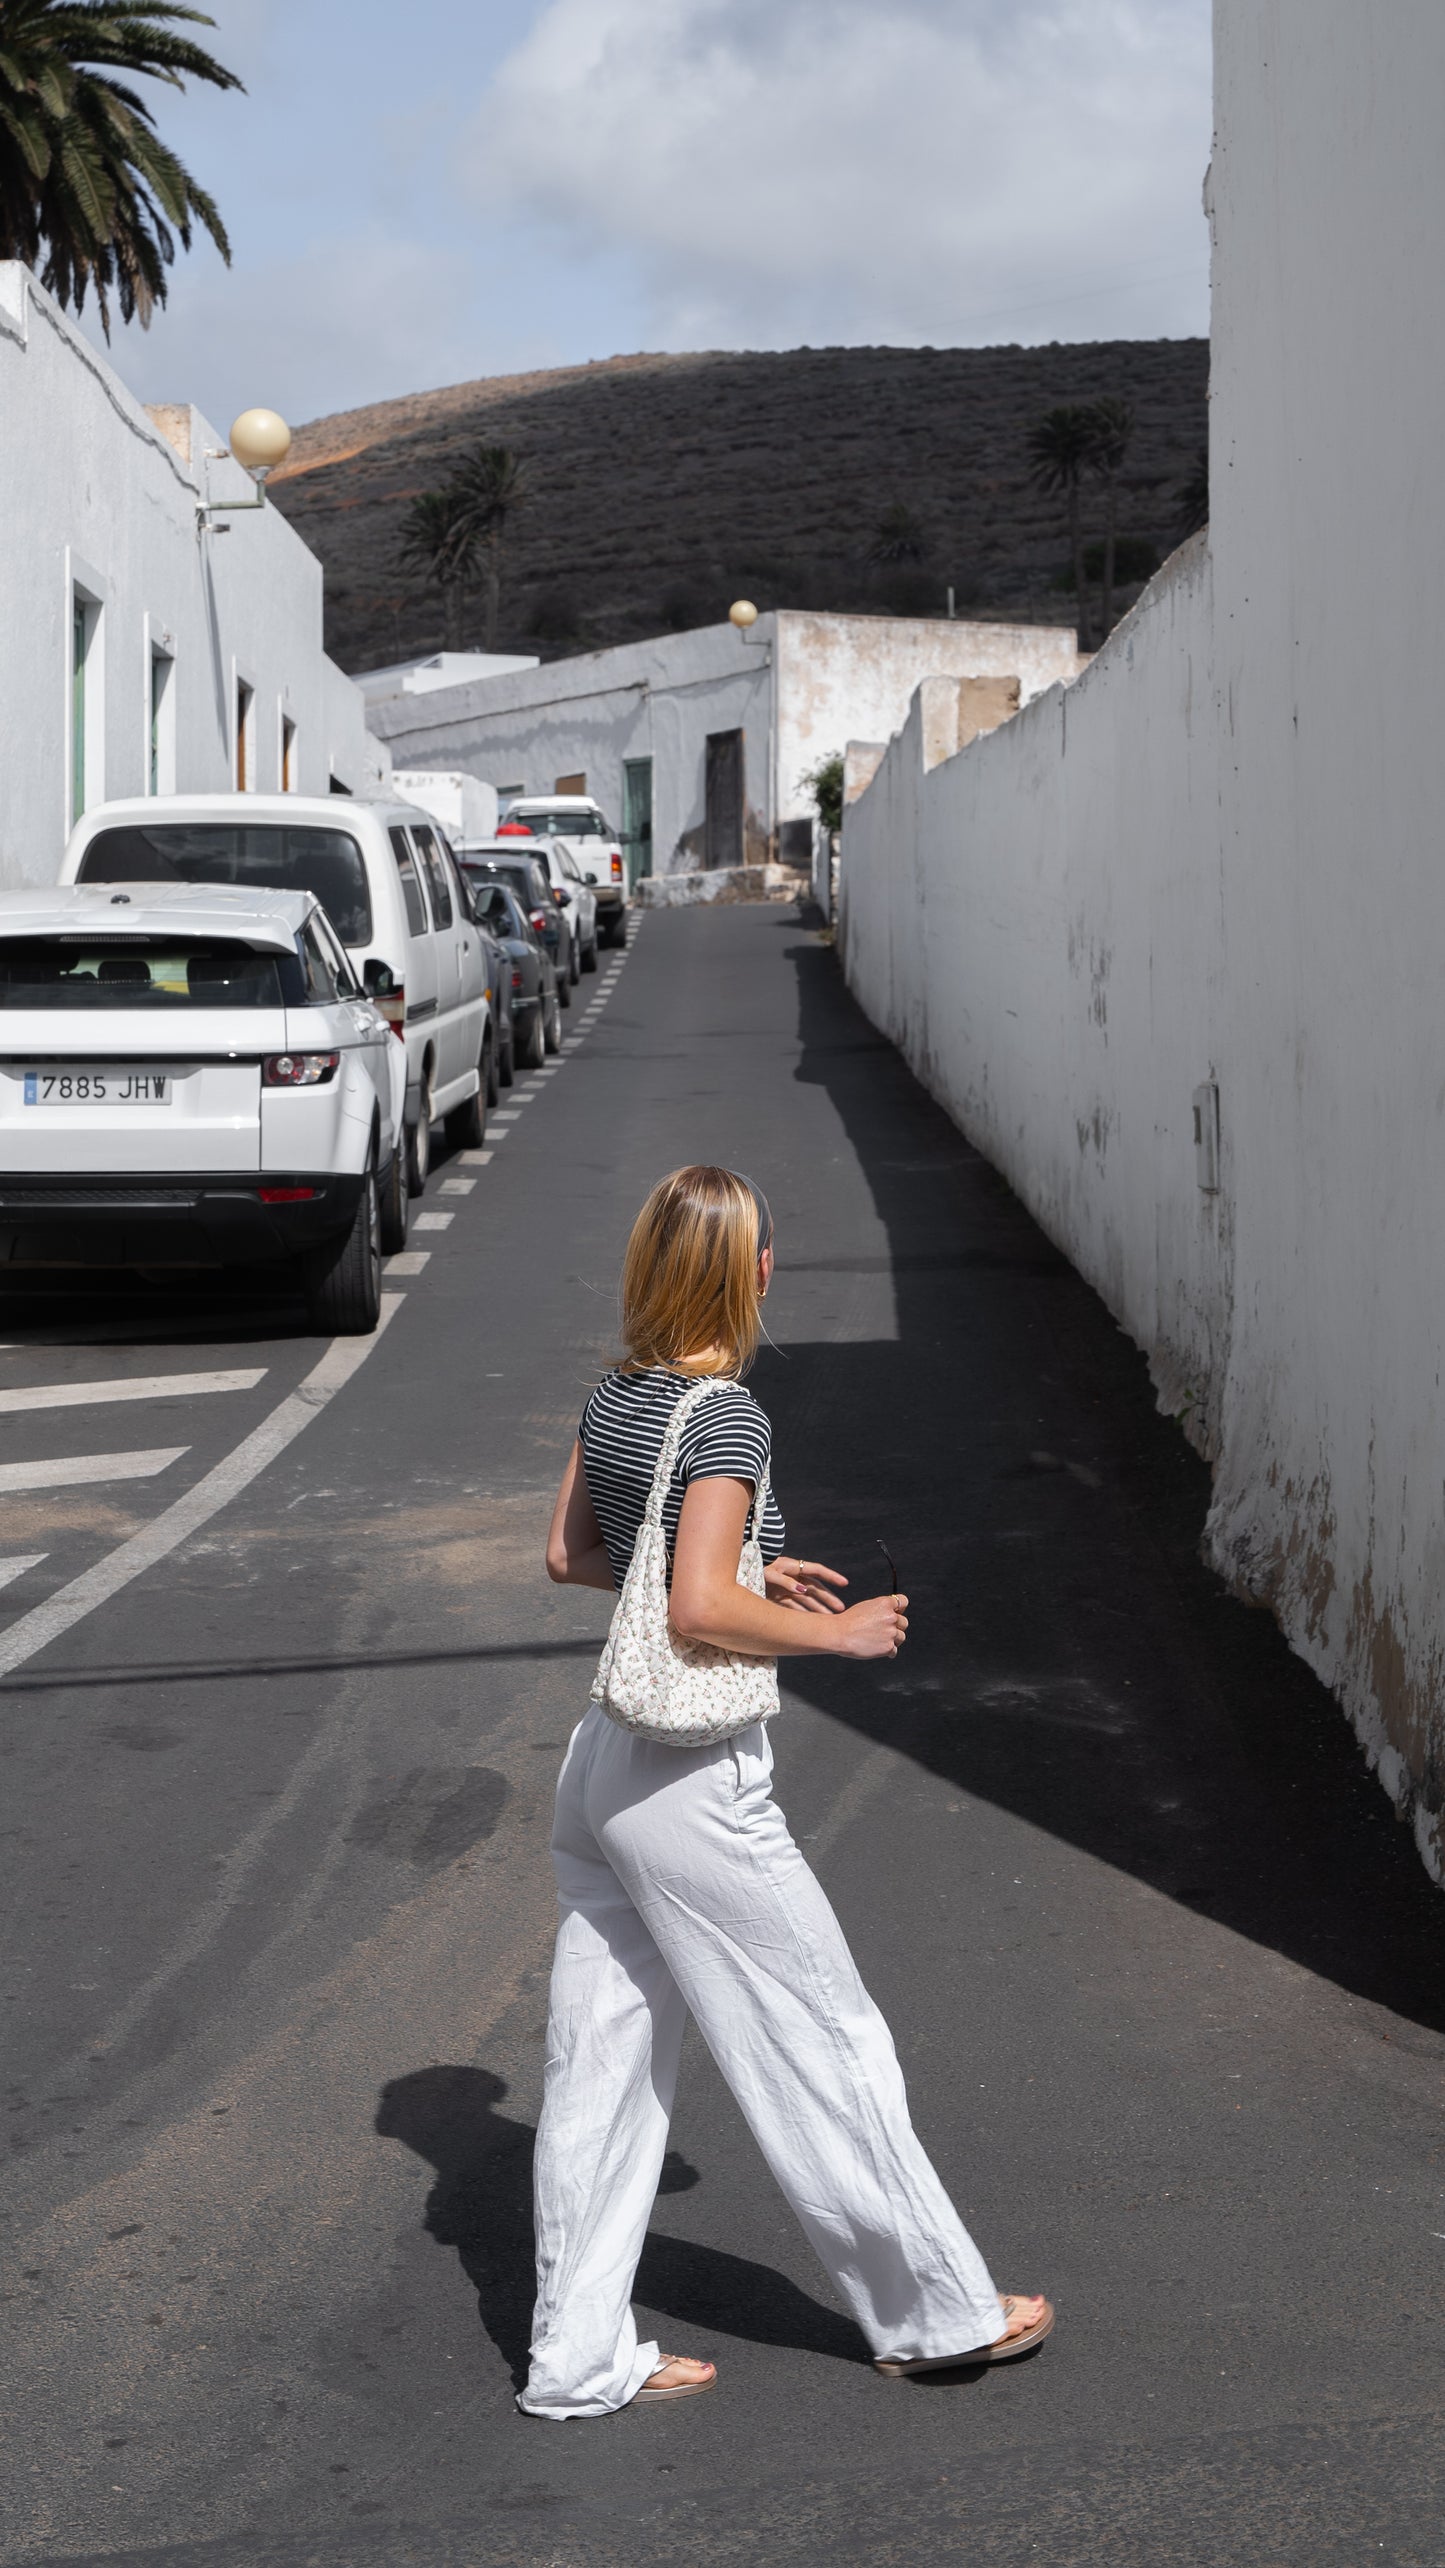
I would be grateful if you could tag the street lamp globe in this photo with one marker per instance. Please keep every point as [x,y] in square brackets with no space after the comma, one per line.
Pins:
[743,614]
[260,440]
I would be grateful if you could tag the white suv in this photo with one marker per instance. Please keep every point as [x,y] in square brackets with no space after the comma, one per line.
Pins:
[384,876]
[582,826]
[194,1077]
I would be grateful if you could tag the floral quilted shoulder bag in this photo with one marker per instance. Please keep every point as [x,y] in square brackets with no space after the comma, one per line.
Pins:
[649,1680]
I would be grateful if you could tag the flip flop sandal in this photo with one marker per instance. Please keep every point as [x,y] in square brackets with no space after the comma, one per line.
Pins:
[679,2389]
[1007,2350]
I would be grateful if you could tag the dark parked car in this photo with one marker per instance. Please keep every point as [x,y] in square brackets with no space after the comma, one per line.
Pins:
[531,972]
[499,982]
[530,878]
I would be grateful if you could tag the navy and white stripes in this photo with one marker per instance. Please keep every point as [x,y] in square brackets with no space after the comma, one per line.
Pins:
[621,1433]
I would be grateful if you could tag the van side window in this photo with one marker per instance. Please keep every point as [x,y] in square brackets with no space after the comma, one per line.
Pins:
[430,854]
[411,891]
[347,984]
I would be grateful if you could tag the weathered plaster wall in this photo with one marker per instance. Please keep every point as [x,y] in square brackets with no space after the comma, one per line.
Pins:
[798,687]
[98,493]
[1215,858]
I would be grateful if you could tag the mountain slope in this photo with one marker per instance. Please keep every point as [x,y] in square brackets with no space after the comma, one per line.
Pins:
[661,487]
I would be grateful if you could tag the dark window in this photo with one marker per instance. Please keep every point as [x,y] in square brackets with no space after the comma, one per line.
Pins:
[436,874]
[411,891]
[274,855]
[320,970]
[159,973]
[347,984]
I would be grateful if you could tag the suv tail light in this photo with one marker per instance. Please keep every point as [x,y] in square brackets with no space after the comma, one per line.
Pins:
[299,1069]
[617,869]
[393,1008]
[516,976]
[539,920]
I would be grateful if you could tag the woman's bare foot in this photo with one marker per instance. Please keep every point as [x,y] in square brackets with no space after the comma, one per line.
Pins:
[1023,2310]
[679,2376]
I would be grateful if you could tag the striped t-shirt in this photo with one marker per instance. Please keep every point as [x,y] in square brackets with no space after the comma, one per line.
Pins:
[623,1425]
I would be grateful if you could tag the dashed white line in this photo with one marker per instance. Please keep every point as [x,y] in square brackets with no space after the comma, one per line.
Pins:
[78,1470]
[475,1158]
[433,1221]
[459,1185]
[407,1261]
[215,1489]
[509,1117]
[10,1570]
[139,1386]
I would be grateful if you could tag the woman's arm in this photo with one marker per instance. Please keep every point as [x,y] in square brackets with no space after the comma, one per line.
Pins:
[576,1552]
[709,1605]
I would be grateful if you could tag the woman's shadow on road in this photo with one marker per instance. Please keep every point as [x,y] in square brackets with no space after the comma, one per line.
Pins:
[481,2204]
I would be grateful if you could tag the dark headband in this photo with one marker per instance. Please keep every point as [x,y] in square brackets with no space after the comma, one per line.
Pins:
[765,1218]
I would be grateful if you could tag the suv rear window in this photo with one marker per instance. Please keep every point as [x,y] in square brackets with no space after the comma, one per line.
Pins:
[281,856]
[159,973]
[563,824]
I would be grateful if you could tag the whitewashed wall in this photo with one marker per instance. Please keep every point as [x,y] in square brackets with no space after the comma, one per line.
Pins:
[797,687]
[1218,855]
[94,494]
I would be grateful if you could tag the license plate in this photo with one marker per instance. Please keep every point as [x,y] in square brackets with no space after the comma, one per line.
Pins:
[97,1088]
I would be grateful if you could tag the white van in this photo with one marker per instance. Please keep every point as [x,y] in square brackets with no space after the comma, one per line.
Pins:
[465,805]
[384,876]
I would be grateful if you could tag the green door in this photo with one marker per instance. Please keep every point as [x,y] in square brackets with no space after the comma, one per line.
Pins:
[637,817]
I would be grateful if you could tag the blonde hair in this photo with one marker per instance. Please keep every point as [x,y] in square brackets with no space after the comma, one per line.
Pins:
[690,1276]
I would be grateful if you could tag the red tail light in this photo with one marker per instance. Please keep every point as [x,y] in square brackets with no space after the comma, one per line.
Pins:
[617,869]
[299,1069]
[539,920]
[514,829]
[393,1008]
[516,976]
[287,1194]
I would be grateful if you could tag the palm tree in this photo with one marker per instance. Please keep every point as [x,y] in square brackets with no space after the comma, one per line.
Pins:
[1113,436]
[488,485]
[437,540]
[1061,447]
[89,194]
[898,536]
[1192,495]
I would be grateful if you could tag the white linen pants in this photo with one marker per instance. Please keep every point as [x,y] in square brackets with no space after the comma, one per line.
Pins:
[680,1888]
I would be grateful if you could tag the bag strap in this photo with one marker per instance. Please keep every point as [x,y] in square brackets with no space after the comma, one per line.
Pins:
[686,1408]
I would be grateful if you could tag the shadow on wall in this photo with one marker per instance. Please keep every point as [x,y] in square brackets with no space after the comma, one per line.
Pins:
[1072,1659]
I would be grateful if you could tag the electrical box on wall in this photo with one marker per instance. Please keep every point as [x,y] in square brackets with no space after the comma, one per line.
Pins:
[1206,1137]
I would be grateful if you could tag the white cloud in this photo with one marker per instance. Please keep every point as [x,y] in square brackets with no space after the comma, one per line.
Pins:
[928,170]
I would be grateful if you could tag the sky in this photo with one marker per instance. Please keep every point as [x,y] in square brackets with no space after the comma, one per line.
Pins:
[422,193]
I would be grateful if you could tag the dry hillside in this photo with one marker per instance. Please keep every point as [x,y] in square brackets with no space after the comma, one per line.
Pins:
[661,487]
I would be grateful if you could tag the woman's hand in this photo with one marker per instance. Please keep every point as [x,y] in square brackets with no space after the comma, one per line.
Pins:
[875,1629]
[805,1584]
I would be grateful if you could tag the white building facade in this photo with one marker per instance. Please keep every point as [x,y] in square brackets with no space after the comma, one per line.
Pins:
[698,745]
[143,649]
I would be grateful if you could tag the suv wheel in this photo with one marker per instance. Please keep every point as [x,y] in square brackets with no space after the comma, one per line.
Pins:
[343,1280]
[418,1143]
[551,1025]
[467,1124]
[535,1046]
[589,954]
[395,1202]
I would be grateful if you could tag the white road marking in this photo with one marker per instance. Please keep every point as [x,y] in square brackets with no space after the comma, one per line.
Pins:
[77,1470]
[509,1117]
[140,1386]
[459,1185]
[407,1261]
[433,1221]
[501,1135]
[10,1570]
[475,1158]
[35,1631]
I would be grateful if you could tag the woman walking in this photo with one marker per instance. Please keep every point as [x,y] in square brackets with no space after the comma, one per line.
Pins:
[679,1886]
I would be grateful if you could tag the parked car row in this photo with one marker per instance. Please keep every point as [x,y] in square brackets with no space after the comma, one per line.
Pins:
[226,1035]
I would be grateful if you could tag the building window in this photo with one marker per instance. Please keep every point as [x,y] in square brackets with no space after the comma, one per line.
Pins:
[161,743]
[245,742]
[288,755]
[87,705]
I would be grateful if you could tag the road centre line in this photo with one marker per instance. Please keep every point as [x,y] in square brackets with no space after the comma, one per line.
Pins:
[80,1470]
[10,1570]
[216,1488]
[141,1386]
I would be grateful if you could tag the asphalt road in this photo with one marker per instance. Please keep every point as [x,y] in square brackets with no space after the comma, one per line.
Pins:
[1167,1980]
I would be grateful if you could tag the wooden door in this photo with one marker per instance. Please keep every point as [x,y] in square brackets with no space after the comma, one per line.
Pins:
[723,807]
